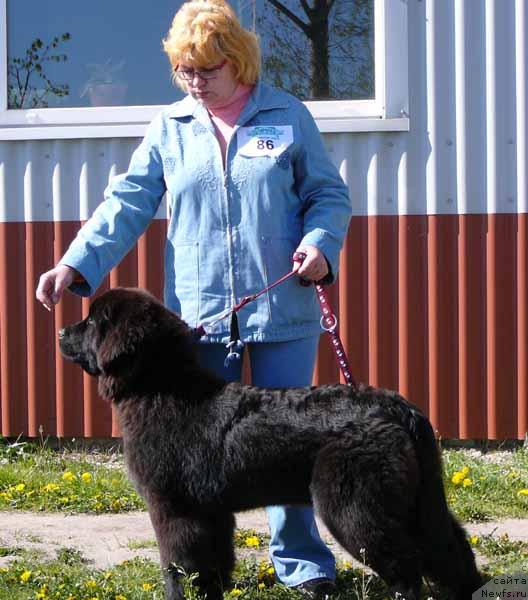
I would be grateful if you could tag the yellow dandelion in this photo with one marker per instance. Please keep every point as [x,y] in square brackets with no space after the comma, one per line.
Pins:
[346,564]
[108,574]
[50,487]
[261,586]
[91,583]
[235,592]
[25,577]
[42,593]
[147,587]
[86,477]
[20,487]
[474,540]
[458,477]
[270,571]
[68,476]
[252,541]
[523,492]
[465,470]
[467,482]
[120,597]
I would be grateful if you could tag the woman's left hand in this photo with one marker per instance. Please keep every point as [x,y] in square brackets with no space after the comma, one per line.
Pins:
[314,267]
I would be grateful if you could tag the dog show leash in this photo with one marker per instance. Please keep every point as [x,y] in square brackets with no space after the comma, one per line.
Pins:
[328,322]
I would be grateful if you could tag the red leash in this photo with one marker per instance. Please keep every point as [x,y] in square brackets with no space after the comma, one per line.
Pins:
[328,322]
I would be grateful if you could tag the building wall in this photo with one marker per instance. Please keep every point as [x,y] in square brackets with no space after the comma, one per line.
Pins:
[433,293]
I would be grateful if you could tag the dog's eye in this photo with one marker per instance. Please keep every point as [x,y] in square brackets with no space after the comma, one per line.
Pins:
[90,321]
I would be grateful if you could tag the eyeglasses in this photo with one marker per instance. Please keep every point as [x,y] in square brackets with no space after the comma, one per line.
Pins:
[189,74]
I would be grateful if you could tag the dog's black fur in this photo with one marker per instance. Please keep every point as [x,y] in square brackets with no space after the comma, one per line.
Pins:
[199,450]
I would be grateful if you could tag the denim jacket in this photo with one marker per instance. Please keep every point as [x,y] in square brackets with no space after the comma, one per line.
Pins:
[231,231]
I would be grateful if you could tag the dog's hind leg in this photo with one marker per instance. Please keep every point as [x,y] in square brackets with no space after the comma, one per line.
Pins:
[194,544]
[363,488]
[451,561]
[448,557]
[379,543]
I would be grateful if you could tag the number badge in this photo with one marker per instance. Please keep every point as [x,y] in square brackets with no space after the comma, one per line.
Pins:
[264,140]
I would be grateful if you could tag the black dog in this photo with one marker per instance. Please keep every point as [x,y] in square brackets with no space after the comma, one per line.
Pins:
[199,450]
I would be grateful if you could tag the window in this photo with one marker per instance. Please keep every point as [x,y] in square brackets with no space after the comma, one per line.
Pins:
[96,53]
[326,53]
[97,69]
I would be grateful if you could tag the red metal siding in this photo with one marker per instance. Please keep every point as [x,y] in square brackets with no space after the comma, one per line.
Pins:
[434,306]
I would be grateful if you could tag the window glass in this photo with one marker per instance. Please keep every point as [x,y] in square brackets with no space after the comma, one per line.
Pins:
[108,53]
[316,49]
[73,54]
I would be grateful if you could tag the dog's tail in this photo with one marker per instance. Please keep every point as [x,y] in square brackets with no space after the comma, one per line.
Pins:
[449,559]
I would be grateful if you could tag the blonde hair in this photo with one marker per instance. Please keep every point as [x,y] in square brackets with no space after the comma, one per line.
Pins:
[206,32]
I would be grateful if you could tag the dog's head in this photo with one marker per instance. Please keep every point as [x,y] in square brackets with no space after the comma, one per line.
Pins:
[125,339]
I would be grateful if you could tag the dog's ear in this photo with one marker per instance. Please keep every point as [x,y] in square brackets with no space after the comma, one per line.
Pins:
[121,346]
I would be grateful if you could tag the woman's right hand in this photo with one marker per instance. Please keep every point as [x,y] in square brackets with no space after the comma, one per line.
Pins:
[53,283]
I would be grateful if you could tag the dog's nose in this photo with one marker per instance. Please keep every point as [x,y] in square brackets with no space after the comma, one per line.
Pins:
[62,333]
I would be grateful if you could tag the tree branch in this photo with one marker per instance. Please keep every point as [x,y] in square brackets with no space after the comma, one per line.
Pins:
[292,16]
[306,7]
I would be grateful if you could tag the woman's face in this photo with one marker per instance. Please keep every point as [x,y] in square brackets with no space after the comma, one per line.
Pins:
[213,92]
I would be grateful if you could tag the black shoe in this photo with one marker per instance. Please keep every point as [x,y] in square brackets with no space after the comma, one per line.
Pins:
[317,589]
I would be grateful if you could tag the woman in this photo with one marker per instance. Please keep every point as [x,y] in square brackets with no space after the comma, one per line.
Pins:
[249,182]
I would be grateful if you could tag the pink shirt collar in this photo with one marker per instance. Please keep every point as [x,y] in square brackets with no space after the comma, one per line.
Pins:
[229,112]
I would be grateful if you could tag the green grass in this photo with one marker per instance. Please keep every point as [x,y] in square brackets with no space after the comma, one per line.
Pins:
[504,556]
[39,479]
[142,544]
[33,477]
[487,487]
[70,577]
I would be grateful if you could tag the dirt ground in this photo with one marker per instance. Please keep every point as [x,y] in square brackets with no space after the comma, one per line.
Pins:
[106,540]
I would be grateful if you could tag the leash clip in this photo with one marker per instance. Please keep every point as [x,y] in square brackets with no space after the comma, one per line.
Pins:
[325,326]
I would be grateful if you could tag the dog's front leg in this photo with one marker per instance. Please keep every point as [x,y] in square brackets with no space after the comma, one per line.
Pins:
[193,544]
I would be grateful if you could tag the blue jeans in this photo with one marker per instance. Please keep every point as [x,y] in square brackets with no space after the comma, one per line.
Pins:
[296,549]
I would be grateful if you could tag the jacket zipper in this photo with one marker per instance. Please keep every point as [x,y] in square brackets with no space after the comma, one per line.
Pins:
[226,195]
[228,224]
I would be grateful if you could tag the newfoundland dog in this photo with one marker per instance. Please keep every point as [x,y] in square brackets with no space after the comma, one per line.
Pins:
[199,449]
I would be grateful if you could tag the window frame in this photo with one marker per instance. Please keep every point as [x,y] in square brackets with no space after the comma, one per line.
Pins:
[388,111]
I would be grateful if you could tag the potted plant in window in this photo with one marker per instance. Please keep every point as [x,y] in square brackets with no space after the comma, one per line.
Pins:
[105,86]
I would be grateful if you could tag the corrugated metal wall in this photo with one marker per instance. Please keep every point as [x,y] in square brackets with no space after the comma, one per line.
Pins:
[434,288]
